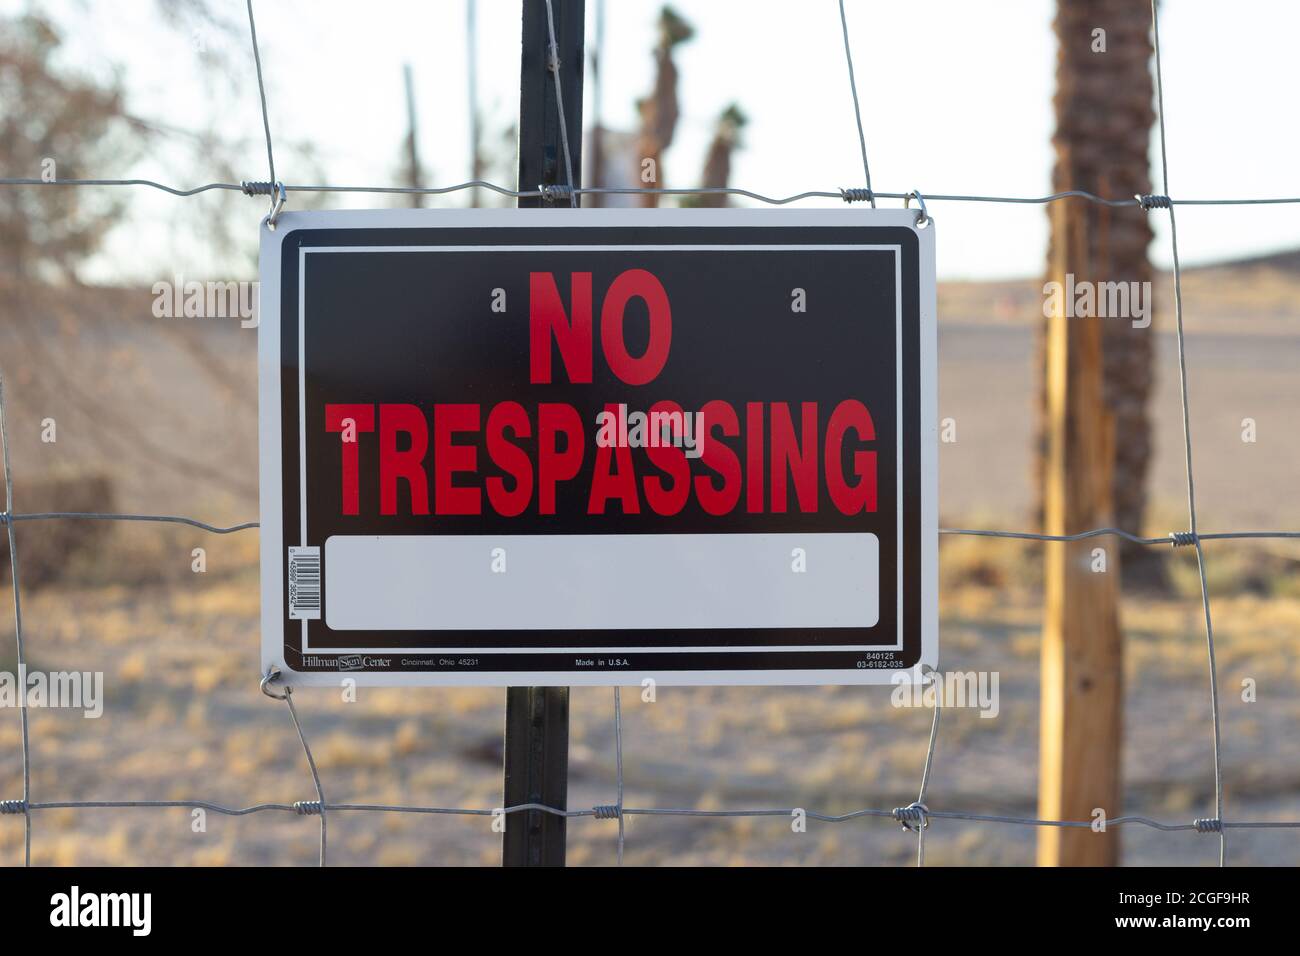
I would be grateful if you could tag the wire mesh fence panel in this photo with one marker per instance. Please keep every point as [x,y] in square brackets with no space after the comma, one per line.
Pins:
[915,817]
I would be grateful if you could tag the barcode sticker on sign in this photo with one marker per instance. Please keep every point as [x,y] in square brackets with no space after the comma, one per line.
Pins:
[304,584]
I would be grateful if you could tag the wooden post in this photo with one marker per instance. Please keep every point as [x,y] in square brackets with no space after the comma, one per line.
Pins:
[1082,676]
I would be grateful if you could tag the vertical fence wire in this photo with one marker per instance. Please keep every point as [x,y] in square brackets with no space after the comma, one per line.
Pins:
[315,774]
[18,629]
[553,64]
[1187,443]
[618,765]
[939,687]
[261,91]
[857,108]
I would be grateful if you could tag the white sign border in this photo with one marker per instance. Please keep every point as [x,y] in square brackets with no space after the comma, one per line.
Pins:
[271,471]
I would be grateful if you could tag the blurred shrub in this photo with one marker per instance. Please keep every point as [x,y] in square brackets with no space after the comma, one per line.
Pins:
[50,550]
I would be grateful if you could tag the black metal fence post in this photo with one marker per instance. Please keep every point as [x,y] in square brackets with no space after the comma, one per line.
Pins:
[537,718]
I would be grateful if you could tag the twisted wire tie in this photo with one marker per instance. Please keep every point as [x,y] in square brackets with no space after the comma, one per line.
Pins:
[1154,202]
[1211,825]
[1179,539]
[857,195]
[13,806]
[4,518]
[308,808]
[265,187]
[607,811]
[910,816]
[552,192]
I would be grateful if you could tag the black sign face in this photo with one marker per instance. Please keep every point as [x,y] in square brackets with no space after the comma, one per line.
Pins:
[548,447]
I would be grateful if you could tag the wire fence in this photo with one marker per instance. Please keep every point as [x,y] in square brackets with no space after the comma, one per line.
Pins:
[915,817]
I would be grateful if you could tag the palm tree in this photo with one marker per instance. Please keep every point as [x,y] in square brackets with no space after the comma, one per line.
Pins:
[1095,428]
[717,163]
[659,110]
[1104,115]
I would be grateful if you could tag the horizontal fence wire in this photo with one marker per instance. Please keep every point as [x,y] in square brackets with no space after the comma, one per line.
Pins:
[1175,538]
[898,814]
[563,192]
[914,817]
[5,518]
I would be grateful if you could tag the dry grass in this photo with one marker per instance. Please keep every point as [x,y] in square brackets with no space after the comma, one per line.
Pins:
[184,718]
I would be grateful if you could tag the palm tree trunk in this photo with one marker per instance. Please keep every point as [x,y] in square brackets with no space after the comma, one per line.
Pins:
[1104,115]
[659,110]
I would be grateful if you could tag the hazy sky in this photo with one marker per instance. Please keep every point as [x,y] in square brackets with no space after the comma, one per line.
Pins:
[956,98]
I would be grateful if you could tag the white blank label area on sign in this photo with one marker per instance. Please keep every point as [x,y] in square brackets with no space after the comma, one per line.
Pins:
[592,582]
